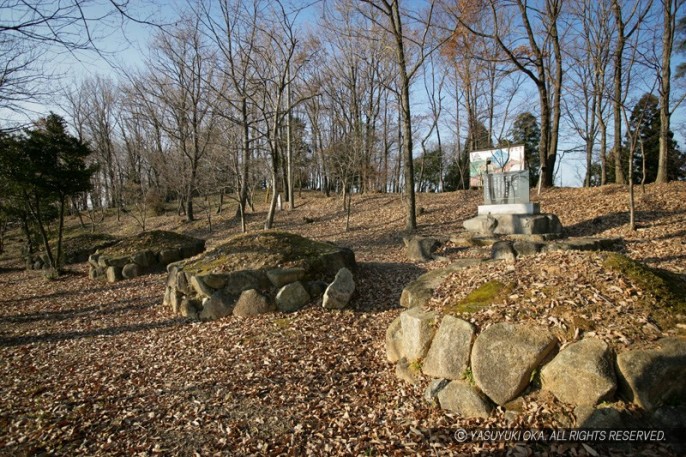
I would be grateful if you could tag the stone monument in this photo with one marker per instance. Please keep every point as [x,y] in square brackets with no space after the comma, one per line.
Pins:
[507,209]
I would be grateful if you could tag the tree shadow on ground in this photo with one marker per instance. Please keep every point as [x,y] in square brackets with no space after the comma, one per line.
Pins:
[597,225]
[102,309]
[379,285]
[66,293]
[75,335]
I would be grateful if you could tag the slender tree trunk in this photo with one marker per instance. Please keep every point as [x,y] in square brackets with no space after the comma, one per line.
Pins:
[632,219]
[557,95]
[289,151]
[245,166]
[603,144]
[37,215]
[269,223]
[669,17]
[408,163]
[60,231]
[189,195]
[617,102]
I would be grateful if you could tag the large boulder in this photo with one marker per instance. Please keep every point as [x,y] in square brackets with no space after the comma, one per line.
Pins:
[252,303]
[279,277]
[421,248]
[145,258]
[200,288]
[448,356]
[418,326]
[217,306]
[463,398]
[654,377]
[130,270]
[292,297]
[167,256]
[236,282]
[340,291]
[504,356]
[582,373]
[589,417]
[113,273]
[503,250]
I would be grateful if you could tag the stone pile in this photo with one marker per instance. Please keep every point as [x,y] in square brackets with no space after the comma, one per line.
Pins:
[260,273]
[145,253]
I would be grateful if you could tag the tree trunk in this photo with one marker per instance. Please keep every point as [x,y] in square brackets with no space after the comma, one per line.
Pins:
[665,114]
[408,163]
[557,94]
[617,102]
[189,195]
[246,155]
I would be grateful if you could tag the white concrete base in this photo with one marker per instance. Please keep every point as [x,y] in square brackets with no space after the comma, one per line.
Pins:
[512,208]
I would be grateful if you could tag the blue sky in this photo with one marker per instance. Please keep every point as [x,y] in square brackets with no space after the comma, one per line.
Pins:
[124,43]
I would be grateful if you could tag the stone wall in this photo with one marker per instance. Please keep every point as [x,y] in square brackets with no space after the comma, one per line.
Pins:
[472,371]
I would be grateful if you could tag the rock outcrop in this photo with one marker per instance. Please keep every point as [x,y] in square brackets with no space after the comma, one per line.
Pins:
[417,328]
[505,355]
[463,398]
[421,248]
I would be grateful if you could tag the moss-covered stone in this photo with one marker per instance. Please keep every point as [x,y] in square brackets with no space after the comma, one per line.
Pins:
[481,297]
[665,288]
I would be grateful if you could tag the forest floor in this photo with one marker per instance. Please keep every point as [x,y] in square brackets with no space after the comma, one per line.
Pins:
[90,368]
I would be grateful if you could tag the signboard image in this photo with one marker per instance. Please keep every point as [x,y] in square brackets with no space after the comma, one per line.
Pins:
[498,160]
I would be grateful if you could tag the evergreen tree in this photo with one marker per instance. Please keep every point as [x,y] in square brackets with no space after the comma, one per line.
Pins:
[645,119]
[526,131]
[478,137]
[48,165]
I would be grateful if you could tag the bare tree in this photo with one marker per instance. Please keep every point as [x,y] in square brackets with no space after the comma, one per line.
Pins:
[540,59]
[37,31]
[669,12]
[181,67]
[628,18]
[282,58]
[395,17]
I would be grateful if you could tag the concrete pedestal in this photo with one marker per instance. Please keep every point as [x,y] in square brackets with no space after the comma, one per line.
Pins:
[513,208]
[511,224]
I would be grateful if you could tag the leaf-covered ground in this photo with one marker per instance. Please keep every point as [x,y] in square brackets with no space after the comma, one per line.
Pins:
[88,368]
